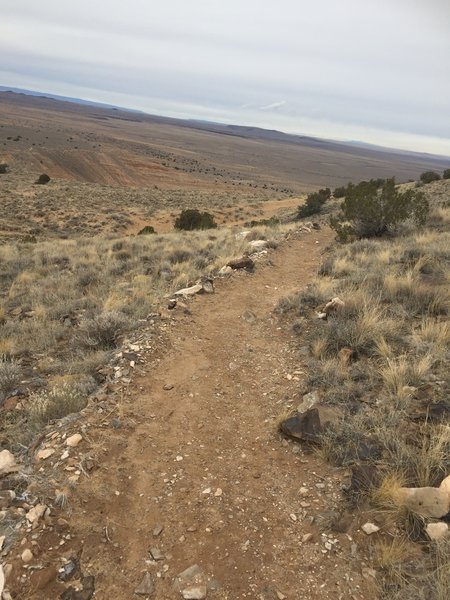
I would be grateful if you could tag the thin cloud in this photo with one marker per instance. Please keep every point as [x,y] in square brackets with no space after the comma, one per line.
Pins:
[273,106]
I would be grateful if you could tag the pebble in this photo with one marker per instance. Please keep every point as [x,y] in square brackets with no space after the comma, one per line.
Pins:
[146,587]
[218,492]
[45,453]
[156,554]
[74,440]
[157,530]
[168,386]
[195,593]
[27,555]
[370,528]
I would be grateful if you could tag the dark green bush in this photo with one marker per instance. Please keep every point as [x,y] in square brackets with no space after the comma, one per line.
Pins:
[446,174]
[370,212]
[314,203]
[3,168]
[339,192]
[429,176]
[147,229]
[42,179]
[192,218]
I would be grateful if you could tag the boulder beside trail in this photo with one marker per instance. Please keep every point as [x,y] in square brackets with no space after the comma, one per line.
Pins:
[244,262]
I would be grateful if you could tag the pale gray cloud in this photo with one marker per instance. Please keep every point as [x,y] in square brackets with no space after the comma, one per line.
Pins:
[353,69]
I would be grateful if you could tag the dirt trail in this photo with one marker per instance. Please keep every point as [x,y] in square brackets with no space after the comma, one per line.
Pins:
[205,461]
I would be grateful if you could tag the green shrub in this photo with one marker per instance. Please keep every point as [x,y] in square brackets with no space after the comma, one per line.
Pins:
[370,212]
[339,192]
[147,229]
[446,174]
[10,376]
[42,179]
[191,219]
[3,168]
[314,203]
[429,176]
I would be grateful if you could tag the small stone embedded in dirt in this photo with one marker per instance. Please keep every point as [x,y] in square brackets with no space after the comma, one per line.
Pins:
[88,584]
[7,463]
[37,512]
[307,537]
[157,530]
[70,570]
[195,593]
[189,577]
[156,553]
[244,262]
[45,453]
[171,304]
[146,587]
[370,528]
[168,386]
[74,440]
[27,555]
[218,492]
[305,426]
[308,401]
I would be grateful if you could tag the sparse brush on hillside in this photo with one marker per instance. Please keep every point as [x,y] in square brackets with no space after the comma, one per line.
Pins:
[66,304]
[314,203]
[381,360]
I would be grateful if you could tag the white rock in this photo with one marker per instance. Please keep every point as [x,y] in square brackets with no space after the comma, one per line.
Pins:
[34,514]
[437,531]
[27,556]
[74,440]
[445,485]
[7,462]
[225,270]
[2,541]
[370,528]
[45,453]
[218,492]
[2,580]
[428,502]
[309,400]
[258,244]
[190,291]
[206,491]
[195,593]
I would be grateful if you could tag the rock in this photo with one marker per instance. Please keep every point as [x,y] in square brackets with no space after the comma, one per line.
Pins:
[7,463]
[156,553]
[190,577]
[74,440]
[2,580]
[70,570]
[6,498]
[307,537]
[171,304]
[367,572]
[41,579]
[146,587]
[226,270]
[428,502]
[190,291]
[88,584]
[34,514]
[305,426]
[45,453]
[445,485]
[333,305]
[27,555]
[157,530]
[370,528]
[257,245]
[437,531]
[195,593]
[308,401]
[218,492]
[244,262]
[168,386]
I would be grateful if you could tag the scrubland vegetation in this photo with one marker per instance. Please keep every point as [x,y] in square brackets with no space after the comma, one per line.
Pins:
[65,304]
[381,361]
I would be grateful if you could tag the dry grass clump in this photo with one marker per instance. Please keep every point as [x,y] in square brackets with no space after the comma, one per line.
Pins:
[382,361]
[10,376]
[67,303]
[56,403]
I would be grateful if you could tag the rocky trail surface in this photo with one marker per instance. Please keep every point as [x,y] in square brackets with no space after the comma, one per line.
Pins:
[182,486]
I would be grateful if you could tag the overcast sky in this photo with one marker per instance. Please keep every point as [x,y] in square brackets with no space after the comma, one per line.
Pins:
[371,70]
